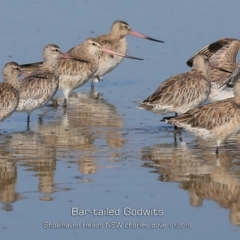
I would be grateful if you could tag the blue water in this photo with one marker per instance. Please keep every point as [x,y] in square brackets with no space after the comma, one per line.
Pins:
[103,152]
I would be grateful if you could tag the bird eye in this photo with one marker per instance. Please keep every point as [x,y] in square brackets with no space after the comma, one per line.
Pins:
[94,44]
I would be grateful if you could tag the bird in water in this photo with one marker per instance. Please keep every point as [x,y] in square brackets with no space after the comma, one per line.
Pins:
[84,62]
[222,54]
[182,92]
[9,90]
[217,121]
[115,41]
[41,85]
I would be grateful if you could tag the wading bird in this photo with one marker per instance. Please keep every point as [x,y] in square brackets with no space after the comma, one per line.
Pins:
[84,62]
[9,90]
[182,92]
[42,84]
[218,120]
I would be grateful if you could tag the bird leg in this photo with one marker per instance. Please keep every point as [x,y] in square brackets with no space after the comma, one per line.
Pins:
[217,150]
[28,119]
[40,121]
[176,132]
[54,103]
[65,103]
[175,127]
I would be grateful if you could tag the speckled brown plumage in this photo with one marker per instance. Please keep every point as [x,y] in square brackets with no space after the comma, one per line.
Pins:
[222,54]
[9,90]
[41,85]
[115,41]
[76,71]
[182,91]
[217,121]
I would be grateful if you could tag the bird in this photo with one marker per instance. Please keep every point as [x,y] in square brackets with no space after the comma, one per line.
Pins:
[181,92]
[76,71]
[9,89]
[40,86]
[222,53]
[218,120]
[115,41]
[73,74]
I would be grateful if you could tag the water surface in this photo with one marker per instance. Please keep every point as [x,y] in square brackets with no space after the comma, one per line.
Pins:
[102,153]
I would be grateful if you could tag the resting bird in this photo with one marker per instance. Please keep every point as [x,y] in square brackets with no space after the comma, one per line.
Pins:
[182,92]
[218,120]
[222,54]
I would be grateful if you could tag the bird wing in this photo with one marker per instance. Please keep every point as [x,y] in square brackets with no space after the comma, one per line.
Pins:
[77,54]
[208,116]
[34,86]
[30,67]
[178,90]
[71,67]
[219,52]
[8,96]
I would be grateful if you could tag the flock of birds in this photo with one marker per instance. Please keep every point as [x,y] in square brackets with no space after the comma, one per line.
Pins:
[214,76]
[90,60]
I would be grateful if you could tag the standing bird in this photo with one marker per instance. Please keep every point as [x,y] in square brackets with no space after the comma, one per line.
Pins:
[41,85]
[76,71]
[218,120]
[9,90]
[115,41]
[222,54]
[183,91]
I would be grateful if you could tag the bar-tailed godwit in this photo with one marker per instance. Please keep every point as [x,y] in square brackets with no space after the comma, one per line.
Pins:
[222,54]
[9,90]
[115,41]
[41,85]
[183,91]
[218,120]
[76,71]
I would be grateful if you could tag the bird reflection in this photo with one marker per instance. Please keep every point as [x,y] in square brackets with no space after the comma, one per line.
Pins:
[31,152]
[8,178]
[88,130]
[75,130]
[200,173]
[28,150]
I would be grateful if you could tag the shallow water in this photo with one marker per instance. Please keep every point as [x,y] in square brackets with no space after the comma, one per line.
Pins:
[102,154]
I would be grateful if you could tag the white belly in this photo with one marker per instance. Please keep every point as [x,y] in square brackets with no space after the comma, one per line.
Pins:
[218,94]
[106,64]
[73,82]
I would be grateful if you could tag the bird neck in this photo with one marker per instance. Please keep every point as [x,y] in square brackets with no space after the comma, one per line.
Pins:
[206,73]
[12,80]
[51,65]
[236,92]
[113,35]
